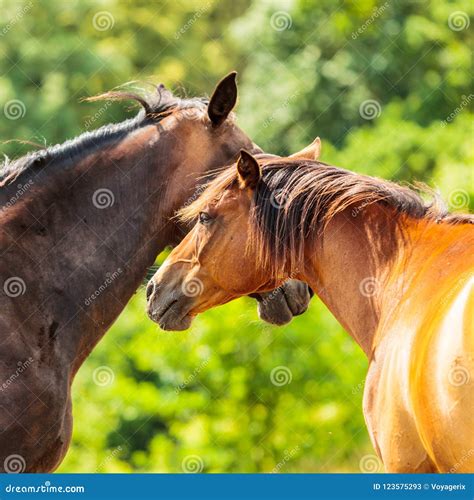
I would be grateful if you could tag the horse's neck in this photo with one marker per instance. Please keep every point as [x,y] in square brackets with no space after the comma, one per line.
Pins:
[88,237]
[348,267]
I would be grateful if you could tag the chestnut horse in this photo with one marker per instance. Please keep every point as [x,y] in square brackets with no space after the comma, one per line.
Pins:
[397,274]
[80,225]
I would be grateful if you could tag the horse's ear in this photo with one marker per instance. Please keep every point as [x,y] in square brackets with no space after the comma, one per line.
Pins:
[223,99]
[249,171]
[311,152]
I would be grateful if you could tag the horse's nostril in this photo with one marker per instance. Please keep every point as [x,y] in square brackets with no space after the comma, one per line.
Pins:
[310,290]
[150,289]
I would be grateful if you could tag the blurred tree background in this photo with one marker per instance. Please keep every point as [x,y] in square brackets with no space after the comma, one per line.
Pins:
[387,86]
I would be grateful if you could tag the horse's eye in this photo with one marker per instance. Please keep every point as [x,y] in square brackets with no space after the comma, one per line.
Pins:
[204,218]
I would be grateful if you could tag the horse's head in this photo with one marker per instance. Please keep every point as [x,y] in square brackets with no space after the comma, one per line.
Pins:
[212,137]
[216,261]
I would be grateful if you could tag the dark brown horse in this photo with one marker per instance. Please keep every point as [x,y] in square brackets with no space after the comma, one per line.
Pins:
[80,225]
[398,275]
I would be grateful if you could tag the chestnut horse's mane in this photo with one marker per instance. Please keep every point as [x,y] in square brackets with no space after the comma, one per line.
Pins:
[295,199]
[156,106]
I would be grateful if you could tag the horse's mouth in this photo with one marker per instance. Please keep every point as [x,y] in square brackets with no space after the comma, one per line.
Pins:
[279,307]
[297,307]
[173,316]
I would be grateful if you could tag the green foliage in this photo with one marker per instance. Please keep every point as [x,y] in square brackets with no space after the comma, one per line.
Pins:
[209,393]
[385,85]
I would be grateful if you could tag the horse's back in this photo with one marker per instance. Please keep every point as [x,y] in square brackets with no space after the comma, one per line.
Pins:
[442,379]
[419,396]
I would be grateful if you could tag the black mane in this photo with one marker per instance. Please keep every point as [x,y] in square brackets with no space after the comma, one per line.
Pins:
[156,106]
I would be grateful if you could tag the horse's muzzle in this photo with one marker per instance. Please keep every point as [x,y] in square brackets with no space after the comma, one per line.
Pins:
[168,309]
[279,306]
